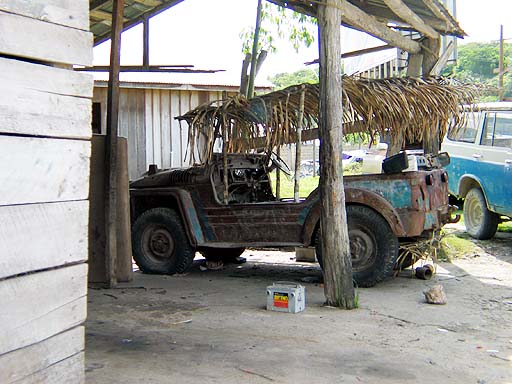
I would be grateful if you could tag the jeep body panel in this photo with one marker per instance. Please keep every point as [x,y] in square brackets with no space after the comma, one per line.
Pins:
[254,218]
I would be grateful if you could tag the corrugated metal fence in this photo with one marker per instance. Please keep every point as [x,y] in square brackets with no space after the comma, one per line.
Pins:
[146,119]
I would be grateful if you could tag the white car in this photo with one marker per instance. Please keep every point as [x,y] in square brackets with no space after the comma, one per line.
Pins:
[481,167]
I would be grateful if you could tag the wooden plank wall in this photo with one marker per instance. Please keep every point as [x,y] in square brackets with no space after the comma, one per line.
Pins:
[146,119]
[45,109]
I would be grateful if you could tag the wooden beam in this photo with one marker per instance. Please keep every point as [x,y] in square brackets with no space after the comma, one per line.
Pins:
[407,15]
[334,241]
[443,59]
[358,19]
[358,52]
[111,146]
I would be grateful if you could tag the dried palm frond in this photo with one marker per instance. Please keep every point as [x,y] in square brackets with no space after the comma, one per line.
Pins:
[413,251]
[408,109]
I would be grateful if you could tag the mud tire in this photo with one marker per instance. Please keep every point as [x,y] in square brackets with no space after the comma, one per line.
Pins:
[480,222]
[160,244]
[373,246]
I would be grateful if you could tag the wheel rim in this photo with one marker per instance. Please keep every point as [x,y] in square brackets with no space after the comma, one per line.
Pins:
[158,242]
[363,249]
[473,214]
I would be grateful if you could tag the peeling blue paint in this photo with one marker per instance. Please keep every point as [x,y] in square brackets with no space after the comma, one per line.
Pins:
[397,192]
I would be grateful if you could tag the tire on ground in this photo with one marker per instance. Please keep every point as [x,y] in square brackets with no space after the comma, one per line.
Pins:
[480,222]
[221,254]
[160,244]
[373,246]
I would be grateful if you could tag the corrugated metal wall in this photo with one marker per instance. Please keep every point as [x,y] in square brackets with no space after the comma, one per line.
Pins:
[146,119]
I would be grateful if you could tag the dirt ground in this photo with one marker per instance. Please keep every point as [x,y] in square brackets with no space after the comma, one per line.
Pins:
[212,326]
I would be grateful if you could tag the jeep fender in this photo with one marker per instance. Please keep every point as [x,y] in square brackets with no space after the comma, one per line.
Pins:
[177,199]
[359,197]
[468,182]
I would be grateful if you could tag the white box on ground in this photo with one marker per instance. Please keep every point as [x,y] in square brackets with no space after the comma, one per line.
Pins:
[285,296]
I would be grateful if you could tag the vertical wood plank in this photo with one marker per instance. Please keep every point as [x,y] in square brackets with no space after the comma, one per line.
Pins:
[157,129]
[140,133]
[184,107]
[165,110]
[175,130]
[148,126]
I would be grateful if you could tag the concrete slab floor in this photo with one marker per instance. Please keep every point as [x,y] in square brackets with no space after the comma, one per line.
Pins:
[212,327]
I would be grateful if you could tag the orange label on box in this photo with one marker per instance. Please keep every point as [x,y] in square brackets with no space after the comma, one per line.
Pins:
[280,300]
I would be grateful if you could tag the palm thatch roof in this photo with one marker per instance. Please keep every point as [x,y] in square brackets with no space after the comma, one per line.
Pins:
[408,109]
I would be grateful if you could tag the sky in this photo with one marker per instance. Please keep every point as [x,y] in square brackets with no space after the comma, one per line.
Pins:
[205,33]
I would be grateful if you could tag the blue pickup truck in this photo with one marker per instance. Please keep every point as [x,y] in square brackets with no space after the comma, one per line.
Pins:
[480,171]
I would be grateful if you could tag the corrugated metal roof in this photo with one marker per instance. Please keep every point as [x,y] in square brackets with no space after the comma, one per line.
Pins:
[183,81]
[100,14]
[432,12]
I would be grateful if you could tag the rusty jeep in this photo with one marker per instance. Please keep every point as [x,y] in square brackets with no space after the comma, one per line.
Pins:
[176,212]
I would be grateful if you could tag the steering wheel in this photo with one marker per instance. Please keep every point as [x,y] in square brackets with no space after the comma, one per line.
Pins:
[279,163]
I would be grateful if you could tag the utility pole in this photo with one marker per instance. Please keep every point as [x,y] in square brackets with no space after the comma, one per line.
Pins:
[501,69]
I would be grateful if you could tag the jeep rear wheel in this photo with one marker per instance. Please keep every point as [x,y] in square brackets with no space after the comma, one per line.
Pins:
[480,222]
[373,246]
[160,244]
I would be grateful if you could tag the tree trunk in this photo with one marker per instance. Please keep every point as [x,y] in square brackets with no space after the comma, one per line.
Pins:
[339,289]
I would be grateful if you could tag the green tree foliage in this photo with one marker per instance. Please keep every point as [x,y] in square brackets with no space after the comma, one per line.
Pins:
[279,22]
[477,62]
[283,80]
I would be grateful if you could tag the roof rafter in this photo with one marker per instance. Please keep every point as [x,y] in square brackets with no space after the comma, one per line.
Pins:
[360,20]
[406,14]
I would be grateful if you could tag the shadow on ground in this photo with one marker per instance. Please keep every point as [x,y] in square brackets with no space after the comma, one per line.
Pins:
[212,327]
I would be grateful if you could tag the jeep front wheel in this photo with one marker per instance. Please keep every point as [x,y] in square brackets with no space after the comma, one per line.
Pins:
[373,246]
[160,244]
[480,222]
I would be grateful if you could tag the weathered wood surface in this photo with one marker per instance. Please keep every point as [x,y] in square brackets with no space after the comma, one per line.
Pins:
[42,236]
[45,101]
[44,78]
[35,170]
[70,13]
[44,41]
[359,19]
[38,361]
[407,15]
[67,371]
[339,289]
[37,306]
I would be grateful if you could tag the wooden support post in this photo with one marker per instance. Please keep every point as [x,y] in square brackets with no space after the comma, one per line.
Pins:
[298,146]
[338,288]
[145,43]
[414,65]
[431,55]
[111,146]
